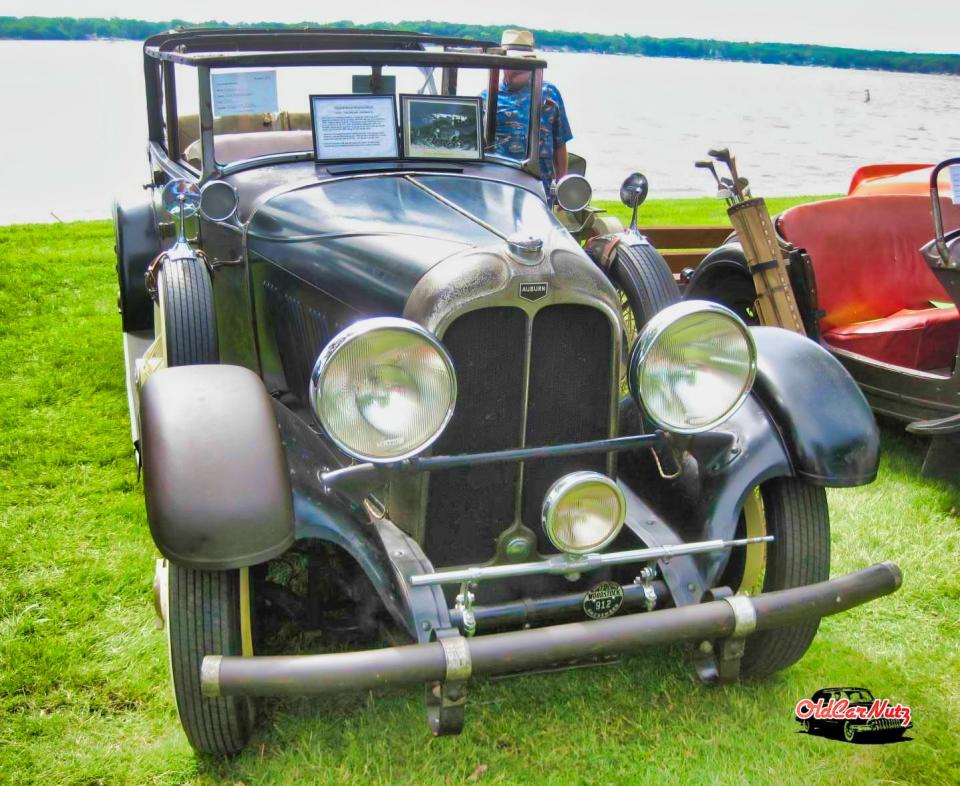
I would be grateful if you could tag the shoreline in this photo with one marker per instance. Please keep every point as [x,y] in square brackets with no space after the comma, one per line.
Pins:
[62,28]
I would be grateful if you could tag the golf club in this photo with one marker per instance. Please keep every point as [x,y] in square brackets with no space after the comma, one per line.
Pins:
[708,165]
[722,154]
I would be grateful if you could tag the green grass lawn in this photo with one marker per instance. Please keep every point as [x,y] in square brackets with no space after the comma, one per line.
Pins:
[84,692]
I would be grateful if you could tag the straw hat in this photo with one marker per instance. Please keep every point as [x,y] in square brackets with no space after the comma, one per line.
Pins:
[519,43]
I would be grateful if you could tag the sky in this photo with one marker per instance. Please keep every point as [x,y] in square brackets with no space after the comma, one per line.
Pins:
[908,25]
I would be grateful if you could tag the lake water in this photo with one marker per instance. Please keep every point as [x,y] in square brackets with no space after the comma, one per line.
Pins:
[74,129]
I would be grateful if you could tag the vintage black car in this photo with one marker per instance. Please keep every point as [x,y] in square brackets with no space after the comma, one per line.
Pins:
[873,729]
[376,393]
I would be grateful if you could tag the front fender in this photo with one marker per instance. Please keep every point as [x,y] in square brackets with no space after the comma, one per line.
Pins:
[824,419]
[215,477]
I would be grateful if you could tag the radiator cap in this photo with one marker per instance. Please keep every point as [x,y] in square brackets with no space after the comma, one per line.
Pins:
[526,248]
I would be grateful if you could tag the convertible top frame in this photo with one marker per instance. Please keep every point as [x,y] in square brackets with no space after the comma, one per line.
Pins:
[207,48]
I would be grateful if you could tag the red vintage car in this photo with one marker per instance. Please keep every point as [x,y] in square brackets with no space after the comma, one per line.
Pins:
[879,280]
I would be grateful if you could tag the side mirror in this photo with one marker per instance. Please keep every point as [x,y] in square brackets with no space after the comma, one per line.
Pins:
[218,201]
[632,193]
[573,193]
[180,198]
[633,190]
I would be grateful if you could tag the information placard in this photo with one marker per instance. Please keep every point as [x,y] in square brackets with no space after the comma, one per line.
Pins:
[955,183]
[354,127]
[244,92]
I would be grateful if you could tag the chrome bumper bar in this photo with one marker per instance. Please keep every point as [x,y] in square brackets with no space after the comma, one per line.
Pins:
[458,658]
[566,564]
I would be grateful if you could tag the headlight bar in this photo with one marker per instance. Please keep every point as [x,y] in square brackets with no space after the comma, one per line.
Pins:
[565,564]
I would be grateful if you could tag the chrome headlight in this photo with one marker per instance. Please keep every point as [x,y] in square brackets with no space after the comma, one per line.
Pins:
[583,512]
[383,389]
[692,366]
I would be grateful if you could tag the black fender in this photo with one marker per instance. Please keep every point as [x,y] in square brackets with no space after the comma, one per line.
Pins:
[725,260]
[216,481]
[822,415]
[137,243]
[724,277]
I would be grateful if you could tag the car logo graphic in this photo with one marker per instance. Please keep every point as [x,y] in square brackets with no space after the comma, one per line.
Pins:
[853,715]
[533,290]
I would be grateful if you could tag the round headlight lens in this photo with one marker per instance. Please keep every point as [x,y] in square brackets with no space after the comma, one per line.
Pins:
[692,366]
[383,389]
[583,512]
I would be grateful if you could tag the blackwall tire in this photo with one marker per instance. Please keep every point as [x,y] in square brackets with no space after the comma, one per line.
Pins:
[645,285]
[187,318]
[645,280]
[204,619]
[795,513]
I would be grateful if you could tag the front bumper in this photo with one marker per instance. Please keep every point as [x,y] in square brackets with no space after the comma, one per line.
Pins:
[456,659]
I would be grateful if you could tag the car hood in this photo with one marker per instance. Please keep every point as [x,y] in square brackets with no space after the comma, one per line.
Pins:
[385,231]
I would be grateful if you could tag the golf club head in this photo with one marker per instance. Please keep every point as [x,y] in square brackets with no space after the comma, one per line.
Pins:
[720,153]
[724,193]
[708,165]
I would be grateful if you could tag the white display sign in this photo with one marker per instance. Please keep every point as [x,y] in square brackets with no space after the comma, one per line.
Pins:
[955,183]
[244,92]
[351,127]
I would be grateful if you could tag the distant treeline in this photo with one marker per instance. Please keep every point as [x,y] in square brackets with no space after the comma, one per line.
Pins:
[69,28]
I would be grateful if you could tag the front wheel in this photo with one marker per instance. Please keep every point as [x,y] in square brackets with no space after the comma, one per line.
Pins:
[204,617]
[795,513]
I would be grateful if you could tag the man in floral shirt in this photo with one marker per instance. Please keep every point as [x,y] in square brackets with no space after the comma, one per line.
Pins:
[513,114]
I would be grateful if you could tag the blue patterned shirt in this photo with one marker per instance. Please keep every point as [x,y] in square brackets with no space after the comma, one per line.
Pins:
[513,120]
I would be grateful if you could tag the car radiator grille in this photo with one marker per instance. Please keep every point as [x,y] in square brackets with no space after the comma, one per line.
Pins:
[568,401]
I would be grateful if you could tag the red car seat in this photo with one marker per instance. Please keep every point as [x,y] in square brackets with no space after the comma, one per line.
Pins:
[874,287]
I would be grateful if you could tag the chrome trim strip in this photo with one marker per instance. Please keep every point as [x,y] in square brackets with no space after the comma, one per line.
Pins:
[454,206]
[524,415]
[566,564]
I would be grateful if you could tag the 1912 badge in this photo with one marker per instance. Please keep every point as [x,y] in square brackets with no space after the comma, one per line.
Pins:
[604,600]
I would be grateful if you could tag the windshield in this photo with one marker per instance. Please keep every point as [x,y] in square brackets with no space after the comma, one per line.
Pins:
[423,112]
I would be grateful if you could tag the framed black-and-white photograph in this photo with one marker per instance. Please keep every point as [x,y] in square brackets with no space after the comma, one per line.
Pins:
[354,127]
[441,127]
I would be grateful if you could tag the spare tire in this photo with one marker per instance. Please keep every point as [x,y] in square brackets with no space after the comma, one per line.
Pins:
[188,320]
[645,285]
[644,279]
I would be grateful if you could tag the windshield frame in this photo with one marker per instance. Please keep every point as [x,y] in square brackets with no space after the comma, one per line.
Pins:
[205,61]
